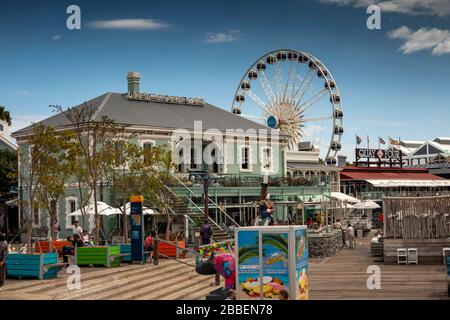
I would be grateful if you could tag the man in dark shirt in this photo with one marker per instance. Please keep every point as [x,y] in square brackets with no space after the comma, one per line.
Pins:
[3,254]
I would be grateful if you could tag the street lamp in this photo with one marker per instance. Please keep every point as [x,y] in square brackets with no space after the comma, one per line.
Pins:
[206,180]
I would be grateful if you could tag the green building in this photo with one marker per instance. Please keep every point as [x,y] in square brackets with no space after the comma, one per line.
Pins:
[236,154]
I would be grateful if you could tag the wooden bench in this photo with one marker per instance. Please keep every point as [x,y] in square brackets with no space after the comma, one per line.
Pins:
[44,246]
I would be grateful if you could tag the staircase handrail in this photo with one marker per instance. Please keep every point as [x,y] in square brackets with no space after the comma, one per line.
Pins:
[190,200]
[209,199]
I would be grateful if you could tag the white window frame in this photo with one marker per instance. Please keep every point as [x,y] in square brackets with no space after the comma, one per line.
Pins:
[68,200]
[38,213]
[241,148]
[271,159]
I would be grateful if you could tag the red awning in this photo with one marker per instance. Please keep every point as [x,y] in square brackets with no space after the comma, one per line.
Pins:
[388,176]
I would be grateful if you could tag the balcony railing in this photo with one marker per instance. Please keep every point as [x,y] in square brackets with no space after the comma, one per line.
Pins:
[234,180]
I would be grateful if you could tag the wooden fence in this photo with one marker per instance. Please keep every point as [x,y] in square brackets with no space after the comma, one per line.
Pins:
[419,218]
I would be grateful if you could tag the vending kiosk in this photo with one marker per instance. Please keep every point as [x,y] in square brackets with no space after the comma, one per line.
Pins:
[272,263]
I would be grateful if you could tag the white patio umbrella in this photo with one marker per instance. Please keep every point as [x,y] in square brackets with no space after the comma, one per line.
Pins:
[102,208]
[146,211]
[366,204]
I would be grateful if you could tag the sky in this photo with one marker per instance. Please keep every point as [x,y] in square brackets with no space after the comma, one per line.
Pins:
[393,81]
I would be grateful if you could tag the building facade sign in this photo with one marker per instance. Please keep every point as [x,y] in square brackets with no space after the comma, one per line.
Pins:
[389,157]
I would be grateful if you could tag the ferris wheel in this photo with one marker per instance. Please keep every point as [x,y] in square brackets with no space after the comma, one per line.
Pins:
[285,90]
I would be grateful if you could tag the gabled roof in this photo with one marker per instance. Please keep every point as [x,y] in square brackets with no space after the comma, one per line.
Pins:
[4,140]
[160,115]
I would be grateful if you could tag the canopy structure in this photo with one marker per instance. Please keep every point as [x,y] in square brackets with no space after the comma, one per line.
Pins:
[343,197]
[409,183]
[366,204]
[102,209]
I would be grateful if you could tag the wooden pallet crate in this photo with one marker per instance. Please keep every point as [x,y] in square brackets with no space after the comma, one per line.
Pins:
[105,256]
[44,246]
[40,266]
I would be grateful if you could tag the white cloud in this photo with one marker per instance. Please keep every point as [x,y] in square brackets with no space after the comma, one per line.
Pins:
[400,33]
[437,40]
[57,37]
[222,37]
[409,7]
[22,92]
[129,24]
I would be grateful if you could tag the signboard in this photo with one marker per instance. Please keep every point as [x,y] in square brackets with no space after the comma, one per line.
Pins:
[301,265]
[390,157]
[137,230]
[272,263]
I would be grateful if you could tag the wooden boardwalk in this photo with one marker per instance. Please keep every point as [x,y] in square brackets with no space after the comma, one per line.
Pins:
[343,276]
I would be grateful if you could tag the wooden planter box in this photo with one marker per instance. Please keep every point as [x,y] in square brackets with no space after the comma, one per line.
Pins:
[98,256]
[44,246]
[41,266]
[171,251]
[125,250]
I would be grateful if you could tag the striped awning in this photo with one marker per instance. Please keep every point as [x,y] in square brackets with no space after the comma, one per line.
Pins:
[409,183]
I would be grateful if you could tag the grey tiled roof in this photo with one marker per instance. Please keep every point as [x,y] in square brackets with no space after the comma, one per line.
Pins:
[116,106]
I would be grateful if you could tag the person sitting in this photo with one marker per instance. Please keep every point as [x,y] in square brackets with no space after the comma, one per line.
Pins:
[68,250]
[86,240]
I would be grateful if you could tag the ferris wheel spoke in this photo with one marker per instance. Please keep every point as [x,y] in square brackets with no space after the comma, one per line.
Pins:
[305,106]
[290,78]
[304,85]
[278,81]
[265,84]
[316,141]
[253,118]
[316,119]
[258,101]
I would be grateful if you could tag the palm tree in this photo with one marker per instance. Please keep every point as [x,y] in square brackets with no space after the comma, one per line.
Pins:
[248,252]
[4,115]
[277,241]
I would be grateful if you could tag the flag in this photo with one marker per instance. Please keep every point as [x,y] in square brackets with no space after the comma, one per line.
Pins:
[381,140]
[358,140]
[394,142]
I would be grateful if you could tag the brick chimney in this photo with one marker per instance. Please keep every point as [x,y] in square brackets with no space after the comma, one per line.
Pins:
[134,80]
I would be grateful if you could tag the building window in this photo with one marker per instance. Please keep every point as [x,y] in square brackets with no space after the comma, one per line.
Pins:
[245,153]
[147,148]
[267,159]
[194,165]
[72,208]
[36,217]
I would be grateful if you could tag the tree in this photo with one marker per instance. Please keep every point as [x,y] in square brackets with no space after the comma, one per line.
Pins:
[123,170]
[30,176]
[8,169]
[57,162]
[5,116]
[93,137]
[158,176]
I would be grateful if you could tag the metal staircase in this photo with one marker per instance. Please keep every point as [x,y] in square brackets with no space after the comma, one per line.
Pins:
[185,206]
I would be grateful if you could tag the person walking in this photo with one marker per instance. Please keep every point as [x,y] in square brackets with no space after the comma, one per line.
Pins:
[350,236]
[206,232]
[3,254]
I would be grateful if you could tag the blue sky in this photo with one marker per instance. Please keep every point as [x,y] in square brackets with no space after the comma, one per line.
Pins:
[394,81]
